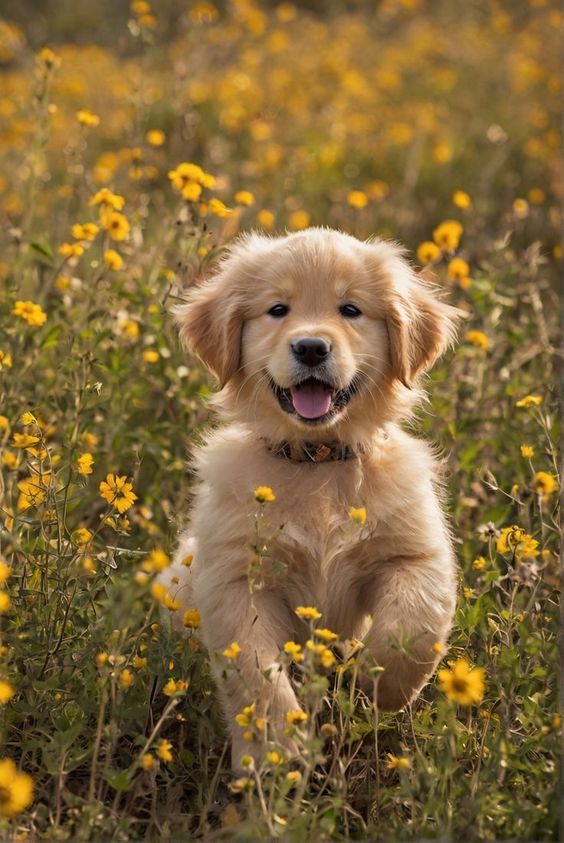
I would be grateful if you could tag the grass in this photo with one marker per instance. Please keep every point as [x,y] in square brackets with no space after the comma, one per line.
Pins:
[300,107]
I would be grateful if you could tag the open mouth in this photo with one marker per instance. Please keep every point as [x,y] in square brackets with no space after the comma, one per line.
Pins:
[313,400]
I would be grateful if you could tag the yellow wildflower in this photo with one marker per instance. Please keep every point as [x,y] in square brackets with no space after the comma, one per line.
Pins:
[30,313]
[4,423]
[159,591]
[264,494]
[191,619]
[242,784]
[172,688]
[447,235]
[118,492]
[357,199]
[82,536]
[521,208]
[24,440]
[515,540]
[9,459]
[108,199]
[5,571]
[84,463]
[71,250]
[293,777]
[157,560]
[294,650]
[155,137]
[326,634]
[5,360]
[232,652]
[395,763]
[438,647]
[85,231]
[87,118]
[16,789]
[527,451]
[139,662]
[478,338]
[308,612]
[5,602]
[126,679]
[164,748]
[298,220]
[245,717]
[217,207]
[529,401]
[6,692]
[274,758]
[428,252]
[186,173]
[48,58]
[545,484]
[457,269]
[147,761]
[357,514]
[325,655]
[295,717]
[116,224]
[536,196]
[101,659]
[113,259]
[479,563]
[32,491]
[151,356]
[265,218]
[461,683]
[192,192]
[461,199]
[244,197]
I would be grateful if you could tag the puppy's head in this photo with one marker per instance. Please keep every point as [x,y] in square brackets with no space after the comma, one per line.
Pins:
[316,329]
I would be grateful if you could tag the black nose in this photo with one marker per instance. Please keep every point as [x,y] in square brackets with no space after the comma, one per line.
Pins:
[311,350]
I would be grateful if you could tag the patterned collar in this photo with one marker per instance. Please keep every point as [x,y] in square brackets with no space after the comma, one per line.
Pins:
[314,452]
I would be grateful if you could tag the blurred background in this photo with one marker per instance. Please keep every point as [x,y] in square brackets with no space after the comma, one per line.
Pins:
[301,103]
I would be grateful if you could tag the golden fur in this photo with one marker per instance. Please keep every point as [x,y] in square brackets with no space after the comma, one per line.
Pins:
[391,583]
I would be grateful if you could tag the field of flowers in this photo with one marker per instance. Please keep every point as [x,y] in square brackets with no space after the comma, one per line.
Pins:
[137,141]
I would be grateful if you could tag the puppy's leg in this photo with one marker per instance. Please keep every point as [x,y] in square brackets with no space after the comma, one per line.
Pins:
[260,624]
[413,602]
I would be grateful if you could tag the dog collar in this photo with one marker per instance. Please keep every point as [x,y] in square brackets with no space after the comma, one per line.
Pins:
[313,452]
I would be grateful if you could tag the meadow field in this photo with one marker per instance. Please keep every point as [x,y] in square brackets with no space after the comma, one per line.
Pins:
[135,142]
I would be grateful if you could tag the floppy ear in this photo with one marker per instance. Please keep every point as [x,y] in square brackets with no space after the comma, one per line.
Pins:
[210,324]
[420,328]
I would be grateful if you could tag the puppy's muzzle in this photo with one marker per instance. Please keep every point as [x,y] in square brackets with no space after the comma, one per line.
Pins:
[311,351]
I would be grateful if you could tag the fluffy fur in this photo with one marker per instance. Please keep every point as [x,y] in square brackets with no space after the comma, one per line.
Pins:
[391,583]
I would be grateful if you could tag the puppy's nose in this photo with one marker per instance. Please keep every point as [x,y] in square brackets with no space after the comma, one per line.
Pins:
[310,350]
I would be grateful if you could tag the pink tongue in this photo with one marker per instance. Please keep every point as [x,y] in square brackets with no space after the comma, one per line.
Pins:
[311,400]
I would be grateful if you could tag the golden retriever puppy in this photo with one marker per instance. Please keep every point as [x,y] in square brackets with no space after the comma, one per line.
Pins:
[318,341]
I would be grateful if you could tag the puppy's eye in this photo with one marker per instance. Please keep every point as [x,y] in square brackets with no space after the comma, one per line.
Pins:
[278,311]
[350,311]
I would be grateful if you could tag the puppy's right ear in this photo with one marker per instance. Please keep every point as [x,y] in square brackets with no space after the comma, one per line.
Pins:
[210,323]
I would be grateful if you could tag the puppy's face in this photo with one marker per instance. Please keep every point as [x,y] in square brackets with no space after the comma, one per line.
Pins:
[313,339]
[314,328]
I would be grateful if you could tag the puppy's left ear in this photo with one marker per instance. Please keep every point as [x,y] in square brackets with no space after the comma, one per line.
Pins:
[420,327]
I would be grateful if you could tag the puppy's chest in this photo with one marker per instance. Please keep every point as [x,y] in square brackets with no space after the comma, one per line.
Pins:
[315,547]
